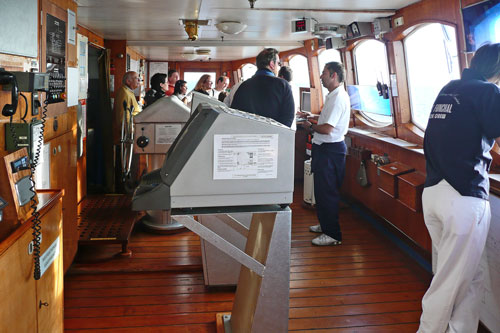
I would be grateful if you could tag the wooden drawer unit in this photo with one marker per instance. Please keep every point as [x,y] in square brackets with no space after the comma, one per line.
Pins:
[410,188]
[388,177]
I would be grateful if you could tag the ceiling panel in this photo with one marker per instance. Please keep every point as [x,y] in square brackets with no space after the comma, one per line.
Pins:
[151,26]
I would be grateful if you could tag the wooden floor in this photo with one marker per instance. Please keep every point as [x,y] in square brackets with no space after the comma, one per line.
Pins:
[364,285]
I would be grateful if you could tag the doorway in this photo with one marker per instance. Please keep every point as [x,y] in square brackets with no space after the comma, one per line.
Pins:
[99,145]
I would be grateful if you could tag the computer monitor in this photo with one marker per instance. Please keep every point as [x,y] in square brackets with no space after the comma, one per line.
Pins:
[305,100]
[202,98]
[481,24]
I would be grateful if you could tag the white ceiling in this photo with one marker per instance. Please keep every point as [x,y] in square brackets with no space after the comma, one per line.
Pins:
[152,26]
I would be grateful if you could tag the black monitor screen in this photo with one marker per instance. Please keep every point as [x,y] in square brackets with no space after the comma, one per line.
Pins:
[305,101]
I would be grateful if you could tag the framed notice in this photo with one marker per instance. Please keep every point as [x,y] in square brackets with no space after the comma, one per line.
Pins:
[245,156]
[156,67]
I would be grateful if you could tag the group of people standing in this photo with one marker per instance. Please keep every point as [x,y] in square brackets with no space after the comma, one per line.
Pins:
[162,85]
[168,85]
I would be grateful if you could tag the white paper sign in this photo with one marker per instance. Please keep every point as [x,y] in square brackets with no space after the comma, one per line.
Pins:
[246,156]
[112,83]
[71,27]
[42,171]
[157,67]
[166,133]
[72,86]
[84,120]
[82,48]
[49,256]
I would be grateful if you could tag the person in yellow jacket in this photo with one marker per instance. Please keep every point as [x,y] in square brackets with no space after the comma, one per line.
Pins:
[124,94]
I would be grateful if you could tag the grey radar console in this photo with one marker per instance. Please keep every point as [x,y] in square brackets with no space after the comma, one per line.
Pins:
[222,157]
[234,170]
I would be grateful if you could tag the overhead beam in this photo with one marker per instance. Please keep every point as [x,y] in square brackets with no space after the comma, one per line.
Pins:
[216,42]
[383,12]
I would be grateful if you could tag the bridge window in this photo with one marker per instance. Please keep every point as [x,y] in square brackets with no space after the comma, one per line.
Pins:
[247,71]
[324,57]
[300,71]
[431,62]
[300,76]
[370,95]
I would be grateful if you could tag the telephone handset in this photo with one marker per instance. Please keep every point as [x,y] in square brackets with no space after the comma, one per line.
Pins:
[9,78]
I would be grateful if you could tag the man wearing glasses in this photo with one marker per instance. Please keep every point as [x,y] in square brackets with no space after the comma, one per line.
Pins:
[264,93]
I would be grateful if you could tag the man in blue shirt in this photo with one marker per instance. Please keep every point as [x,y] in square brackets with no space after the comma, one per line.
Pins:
[463,126]
[264,93]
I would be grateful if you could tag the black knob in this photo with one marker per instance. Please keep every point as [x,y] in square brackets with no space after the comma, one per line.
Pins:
[42,304]
[142,141]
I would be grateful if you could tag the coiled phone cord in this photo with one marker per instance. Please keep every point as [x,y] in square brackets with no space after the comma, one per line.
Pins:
[37,223]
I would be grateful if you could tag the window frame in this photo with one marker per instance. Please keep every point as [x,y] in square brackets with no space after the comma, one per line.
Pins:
[366,117]
[414,127]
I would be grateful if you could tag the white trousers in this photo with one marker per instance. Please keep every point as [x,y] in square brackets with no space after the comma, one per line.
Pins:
[458,227]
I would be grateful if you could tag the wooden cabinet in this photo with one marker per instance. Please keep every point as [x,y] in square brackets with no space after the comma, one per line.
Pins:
[388,177]
[49,289]
[17,287]
[63,176]
[21,293]
[411,186]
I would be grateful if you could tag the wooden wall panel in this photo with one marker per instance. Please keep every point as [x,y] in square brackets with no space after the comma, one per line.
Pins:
[201,66]
[118,61]
[72,49]
[14,63]
[134,54]
[446,11]
[93,37]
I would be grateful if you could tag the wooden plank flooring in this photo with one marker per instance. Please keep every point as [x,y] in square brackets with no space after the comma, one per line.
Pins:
[364,285]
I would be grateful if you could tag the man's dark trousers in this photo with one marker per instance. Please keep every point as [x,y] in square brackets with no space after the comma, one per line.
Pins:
[328,167]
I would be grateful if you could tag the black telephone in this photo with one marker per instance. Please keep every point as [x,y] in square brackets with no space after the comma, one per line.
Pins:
[9,78]
[27,184]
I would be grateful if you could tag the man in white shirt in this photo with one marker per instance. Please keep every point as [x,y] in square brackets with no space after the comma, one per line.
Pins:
[220,86]
[328,154]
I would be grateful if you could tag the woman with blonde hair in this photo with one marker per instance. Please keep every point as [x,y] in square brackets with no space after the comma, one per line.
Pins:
[204,84]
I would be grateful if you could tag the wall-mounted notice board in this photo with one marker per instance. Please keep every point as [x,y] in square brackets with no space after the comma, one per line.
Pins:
[19,27]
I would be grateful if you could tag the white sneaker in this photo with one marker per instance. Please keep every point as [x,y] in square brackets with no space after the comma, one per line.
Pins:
[315,228]
[323,240]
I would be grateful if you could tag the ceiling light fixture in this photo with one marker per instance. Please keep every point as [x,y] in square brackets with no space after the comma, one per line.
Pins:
[189,56]
[203,51]
[252,2]
[230,27]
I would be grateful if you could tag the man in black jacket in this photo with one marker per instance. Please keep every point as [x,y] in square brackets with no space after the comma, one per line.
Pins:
[265,94]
